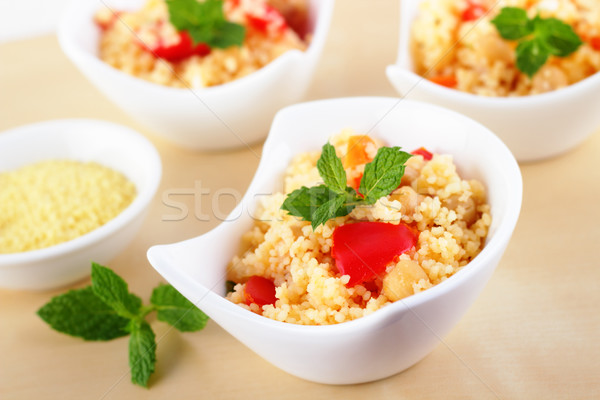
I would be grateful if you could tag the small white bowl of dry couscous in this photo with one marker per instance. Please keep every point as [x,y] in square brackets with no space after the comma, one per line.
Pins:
[72,192]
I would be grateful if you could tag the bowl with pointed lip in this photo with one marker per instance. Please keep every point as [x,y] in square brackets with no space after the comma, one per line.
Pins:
[231,115]
[398,335]
[86,140]
[533,127]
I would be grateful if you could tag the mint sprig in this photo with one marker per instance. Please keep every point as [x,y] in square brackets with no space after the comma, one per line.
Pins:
[539,38]
[205,22]
[334,198]
[106,310]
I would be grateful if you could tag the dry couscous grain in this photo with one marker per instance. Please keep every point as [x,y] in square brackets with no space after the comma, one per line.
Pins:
[127,36]
[51,202]
[450,214]
[472,55]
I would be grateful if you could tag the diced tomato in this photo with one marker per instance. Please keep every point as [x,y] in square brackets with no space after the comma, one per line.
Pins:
[355,183]
[178,51]
[473,11]
[448,81]
[259,290]
[363,250]
[595,43]
[357,151]
[266,20]
[422,151]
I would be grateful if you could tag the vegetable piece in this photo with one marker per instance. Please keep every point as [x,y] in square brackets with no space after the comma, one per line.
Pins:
[266,20]
[473,11]
[355,184]
[448,81]
[595,43]
[259,290]
[422,151]
[205,22]
[184,48]
[539,38]
[363,250]
[106,310]
[357,151]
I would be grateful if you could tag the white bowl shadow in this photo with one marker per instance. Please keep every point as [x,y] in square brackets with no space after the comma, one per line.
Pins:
[397,336]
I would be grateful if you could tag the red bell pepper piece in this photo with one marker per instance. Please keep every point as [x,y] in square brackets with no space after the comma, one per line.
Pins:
[259,290]
[422,151]
[448,81]
[180,50]
[266,19]
[363,250]
[595,42]
[473,11]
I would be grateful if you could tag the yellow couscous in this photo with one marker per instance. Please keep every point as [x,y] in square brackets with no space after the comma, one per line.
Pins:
[455,44]
[449,214]
[146,45]
[51,202]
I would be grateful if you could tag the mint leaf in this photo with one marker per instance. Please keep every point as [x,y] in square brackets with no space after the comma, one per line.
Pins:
[81,313]
[327,211]
[331,169]
[174,309]
[383,174]
[531,56]
[512,23]
[559,38]
[540,38]
[142,352]
[305,201]
[205,22]
[112,290]
[224,34]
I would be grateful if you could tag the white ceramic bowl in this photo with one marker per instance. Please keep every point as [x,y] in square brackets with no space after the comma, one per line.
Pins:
[533,127]
[219,117]
[111,145]
[399,335]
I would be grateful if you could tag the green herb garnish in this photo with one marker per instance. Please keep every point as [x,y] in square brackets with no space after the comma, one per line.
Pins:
[539,38]
[106,310]
[205,22]
[334,198]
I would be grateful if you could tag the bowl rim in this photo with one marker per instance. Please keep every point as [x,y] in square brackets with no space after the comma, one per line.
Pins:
[492,248]
[77,9]
[405,60]
[137,206]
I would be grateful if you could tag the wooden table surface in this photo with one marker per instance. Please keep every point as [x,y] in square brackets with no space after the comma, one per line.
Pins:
[534,333]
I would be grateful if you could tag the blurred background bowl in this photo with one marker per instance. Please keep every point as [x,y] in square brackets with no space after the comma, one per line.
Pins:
[231,115]
[533,127]
[108,144]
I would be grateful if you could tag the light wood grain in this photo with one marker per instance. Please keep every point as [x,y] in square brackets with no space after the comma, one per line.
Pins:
[532,334]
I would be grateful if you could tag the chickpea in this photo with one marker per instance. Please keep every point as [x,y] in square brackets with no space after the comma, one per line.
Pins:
[467,208]
[409,199]
[398,283]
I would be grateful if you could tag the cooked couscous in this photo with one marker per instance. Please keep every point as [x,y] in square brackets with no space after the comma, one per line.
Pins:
[456,44]
[146,45]
[51,202]
[447,215]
